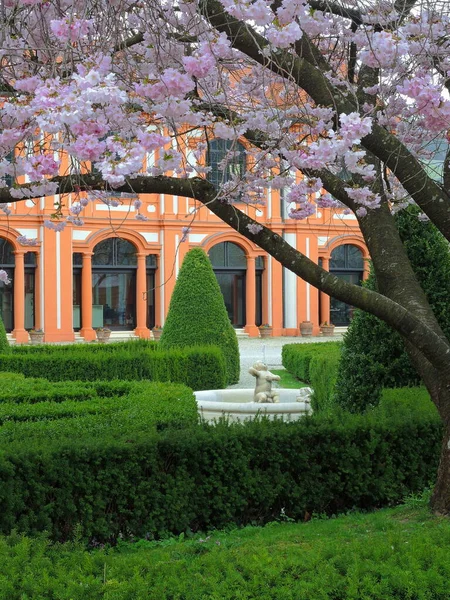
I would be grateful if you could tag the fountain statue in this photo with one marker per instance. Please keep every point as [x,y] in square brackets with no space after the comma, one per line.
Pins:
[238,404]
[264,379]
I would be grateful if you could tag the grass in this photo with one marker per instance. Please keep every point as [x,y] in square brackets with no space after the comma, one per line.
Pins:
[288,380]
[400,553]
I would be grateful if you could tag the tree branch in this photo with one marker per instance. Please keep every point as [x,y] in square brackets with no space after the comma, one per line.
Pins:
[433,200]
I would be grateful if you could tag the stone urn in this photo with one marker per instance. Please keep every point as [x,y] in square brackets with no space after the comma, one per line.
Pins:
[265,331]
[157,331]
[36,336]
[103,334]
[306,328]
[327,329]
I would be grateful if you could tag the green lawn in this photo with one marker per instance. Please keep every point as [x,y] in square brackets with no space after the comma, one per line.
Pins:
[401,553]
[287,379]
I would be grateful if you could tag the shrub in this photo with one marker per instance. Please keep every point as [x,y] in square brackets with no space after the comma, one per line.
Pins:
[373,355]
[316,364]
[199,367]
[87,349]
[4,344]
[197,315]
[112,473]
[40,400]
[398,554]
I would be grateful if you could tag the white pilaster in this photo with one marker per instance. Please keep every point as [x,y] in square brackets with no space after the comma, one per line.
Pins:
[290,289]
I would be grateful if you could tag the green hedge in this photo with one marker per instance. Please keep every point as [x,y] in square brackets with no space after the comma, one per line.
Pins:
[400,554]
[316,364]
[32,399]
[92,348]
[200,368]
[4,344]
[109,474]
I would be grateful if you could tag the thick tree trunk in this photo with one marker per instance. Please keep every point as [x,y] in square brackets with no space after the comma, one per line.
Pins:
[397,281]
[440,499]
[439,391]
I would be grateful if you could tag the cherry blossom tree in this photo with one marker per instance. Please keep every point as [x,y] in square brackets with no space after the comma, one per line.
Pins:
[352,94]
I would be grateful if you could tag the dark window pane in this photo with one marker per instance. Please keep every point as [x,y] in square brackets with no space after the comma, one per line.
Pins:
[7,301]
[9,179]
[150,260]
[6,253]
[114,252]
[347,257]
[338,258]
[217,151]
[76,298]
[354,258]
[227,254]
[103,253]
[77,259]
[114,300]
[217,255]
[258,311]
[235,256]
[151,316]
[259,262]
[29,296]
[126,252]
[30,258]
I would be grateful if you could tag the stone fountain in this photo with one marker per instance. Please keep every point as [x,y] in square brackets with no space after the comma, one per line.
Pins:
[245,404]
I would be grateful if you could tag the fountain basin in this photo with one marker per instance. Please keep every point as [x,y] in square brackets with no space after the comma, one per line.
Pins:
[238,405]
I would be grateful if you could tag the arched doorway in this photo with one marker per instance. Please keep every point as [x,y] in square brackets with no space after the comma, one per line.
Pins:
[347,263]
[230,265]
[114,266]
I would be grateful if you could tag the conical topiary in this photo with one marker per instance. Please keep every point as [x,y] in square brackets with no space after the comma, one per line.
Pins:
[4,344]
[373,355]
[197,315]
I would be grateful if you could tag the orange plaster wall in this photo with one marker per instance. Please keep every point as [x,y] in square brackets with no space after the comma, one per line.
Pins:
[168,227]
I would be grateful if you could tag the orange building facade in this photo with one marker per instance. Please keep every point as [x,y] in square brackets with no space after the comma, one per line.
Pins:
[119,272]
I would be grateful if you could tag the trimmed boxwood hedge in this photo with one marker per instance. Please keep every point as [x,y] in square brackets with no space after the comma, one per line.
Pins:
[29,399]
[92,348]
[316,364]
[114,474]
[200,368]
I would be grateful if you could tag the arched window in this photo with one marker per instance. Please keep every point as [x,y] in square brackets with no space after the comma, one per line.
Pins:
[114,252]
[346,262]
[114,266]
[347,257]
[227,255]
[233,156]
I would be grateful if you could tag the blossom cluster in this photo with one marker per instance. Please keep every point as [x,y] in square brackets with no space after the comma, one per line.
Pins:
[172,73]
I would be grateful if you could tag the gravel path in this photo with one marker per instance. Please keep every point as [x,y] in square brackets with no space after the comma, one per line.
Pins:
[269,351]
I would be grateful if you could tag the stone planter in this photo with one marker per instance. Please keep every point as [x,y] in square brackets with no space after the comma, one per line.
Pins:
[306,328]
[157,333]
[103,335]
[36,337]
[265,332]
[327,330]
